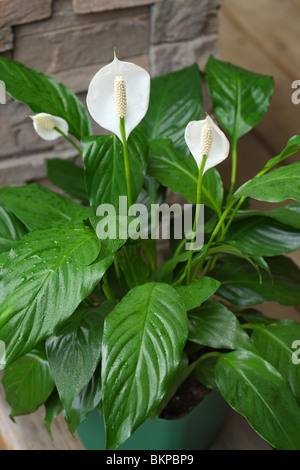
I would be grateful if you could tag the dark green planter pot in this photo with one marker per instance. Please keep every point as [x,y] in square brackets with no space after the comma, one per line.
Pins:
[195,431]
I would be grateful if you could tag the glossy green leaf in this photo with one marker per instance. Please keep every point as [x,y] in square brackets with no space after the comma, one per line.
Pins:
[198,291]
[277,186]
[165,271]
[68,177]
[46,276]
[205,372]
[274,343]
[53,407]
[253,316]
[152,193]
[105,176]
[215,326]
[288,215]
[240,98]
[175,100]
[180,173]
[142,345]
[3,258]
[44,94]
[292,147]
[86,402]
[11,229]
[28,382]
[240,283]
[174,384]
[133,265]
[74,351]
[254,388]
[37,206]
[262,236]
[115,238]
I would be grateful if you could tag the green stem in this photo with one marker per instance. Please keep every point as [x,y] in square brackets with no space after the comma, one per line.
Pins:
[194,364]
[126,162]
[214,234]
[241,201]
[234,167]
[117,267]
[180,246]
[106,290]
[198,202]
[68,139]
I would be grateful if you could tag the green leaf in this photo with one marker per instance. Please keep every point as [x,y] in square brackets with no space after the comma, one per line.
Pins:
[198,291]
[180,173]
[215,326]
[142,345]
[43,281]
[152,193]
[105,176]
[251,315]
[174,384]
[3,258]
[87,401]
[115,238]
[68,177]
[11,229]
[205,372]
[274,343]
[53,407]
[165,271]
[288,215]
[240,283]
[292,147]
[37,206]
[262,236]
[277,186]
[175,100]
[44,94]
[28,382]
[133,265]
[74,351]
[240,98]
[254,388]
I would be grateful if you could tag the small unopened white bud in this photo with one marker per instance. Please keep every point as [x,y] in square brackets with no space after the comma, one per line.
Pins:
[206,138]
[44,122]
[120,97]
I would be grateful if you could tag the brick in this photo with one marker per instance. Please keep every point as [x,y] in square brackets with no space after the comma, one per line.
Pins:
[64,19]
[88,6]
[181,20]
[165,58]
[84,45]
[21,170]
[6,39]
[14,12]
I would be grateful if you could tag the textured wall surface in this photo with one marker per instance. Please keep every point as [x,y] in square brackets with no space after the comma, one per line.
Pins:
[71,39]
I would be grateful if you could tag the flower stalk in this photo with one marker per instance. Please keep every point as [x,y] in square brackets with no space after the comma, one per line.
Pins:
[196,218]
[126,162]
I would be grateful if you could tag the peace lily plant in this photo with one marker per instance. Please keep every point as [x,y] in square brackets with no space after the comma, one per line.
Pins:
[88,323]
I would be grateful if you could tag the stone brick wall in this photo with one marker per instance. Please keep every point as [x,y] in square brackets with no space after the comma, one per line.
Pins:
[71,39]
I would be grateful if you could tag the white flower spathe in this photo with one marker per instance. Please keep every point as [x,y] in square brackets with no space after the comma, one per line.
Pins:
[119,86]
[205,138]
[44,125]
